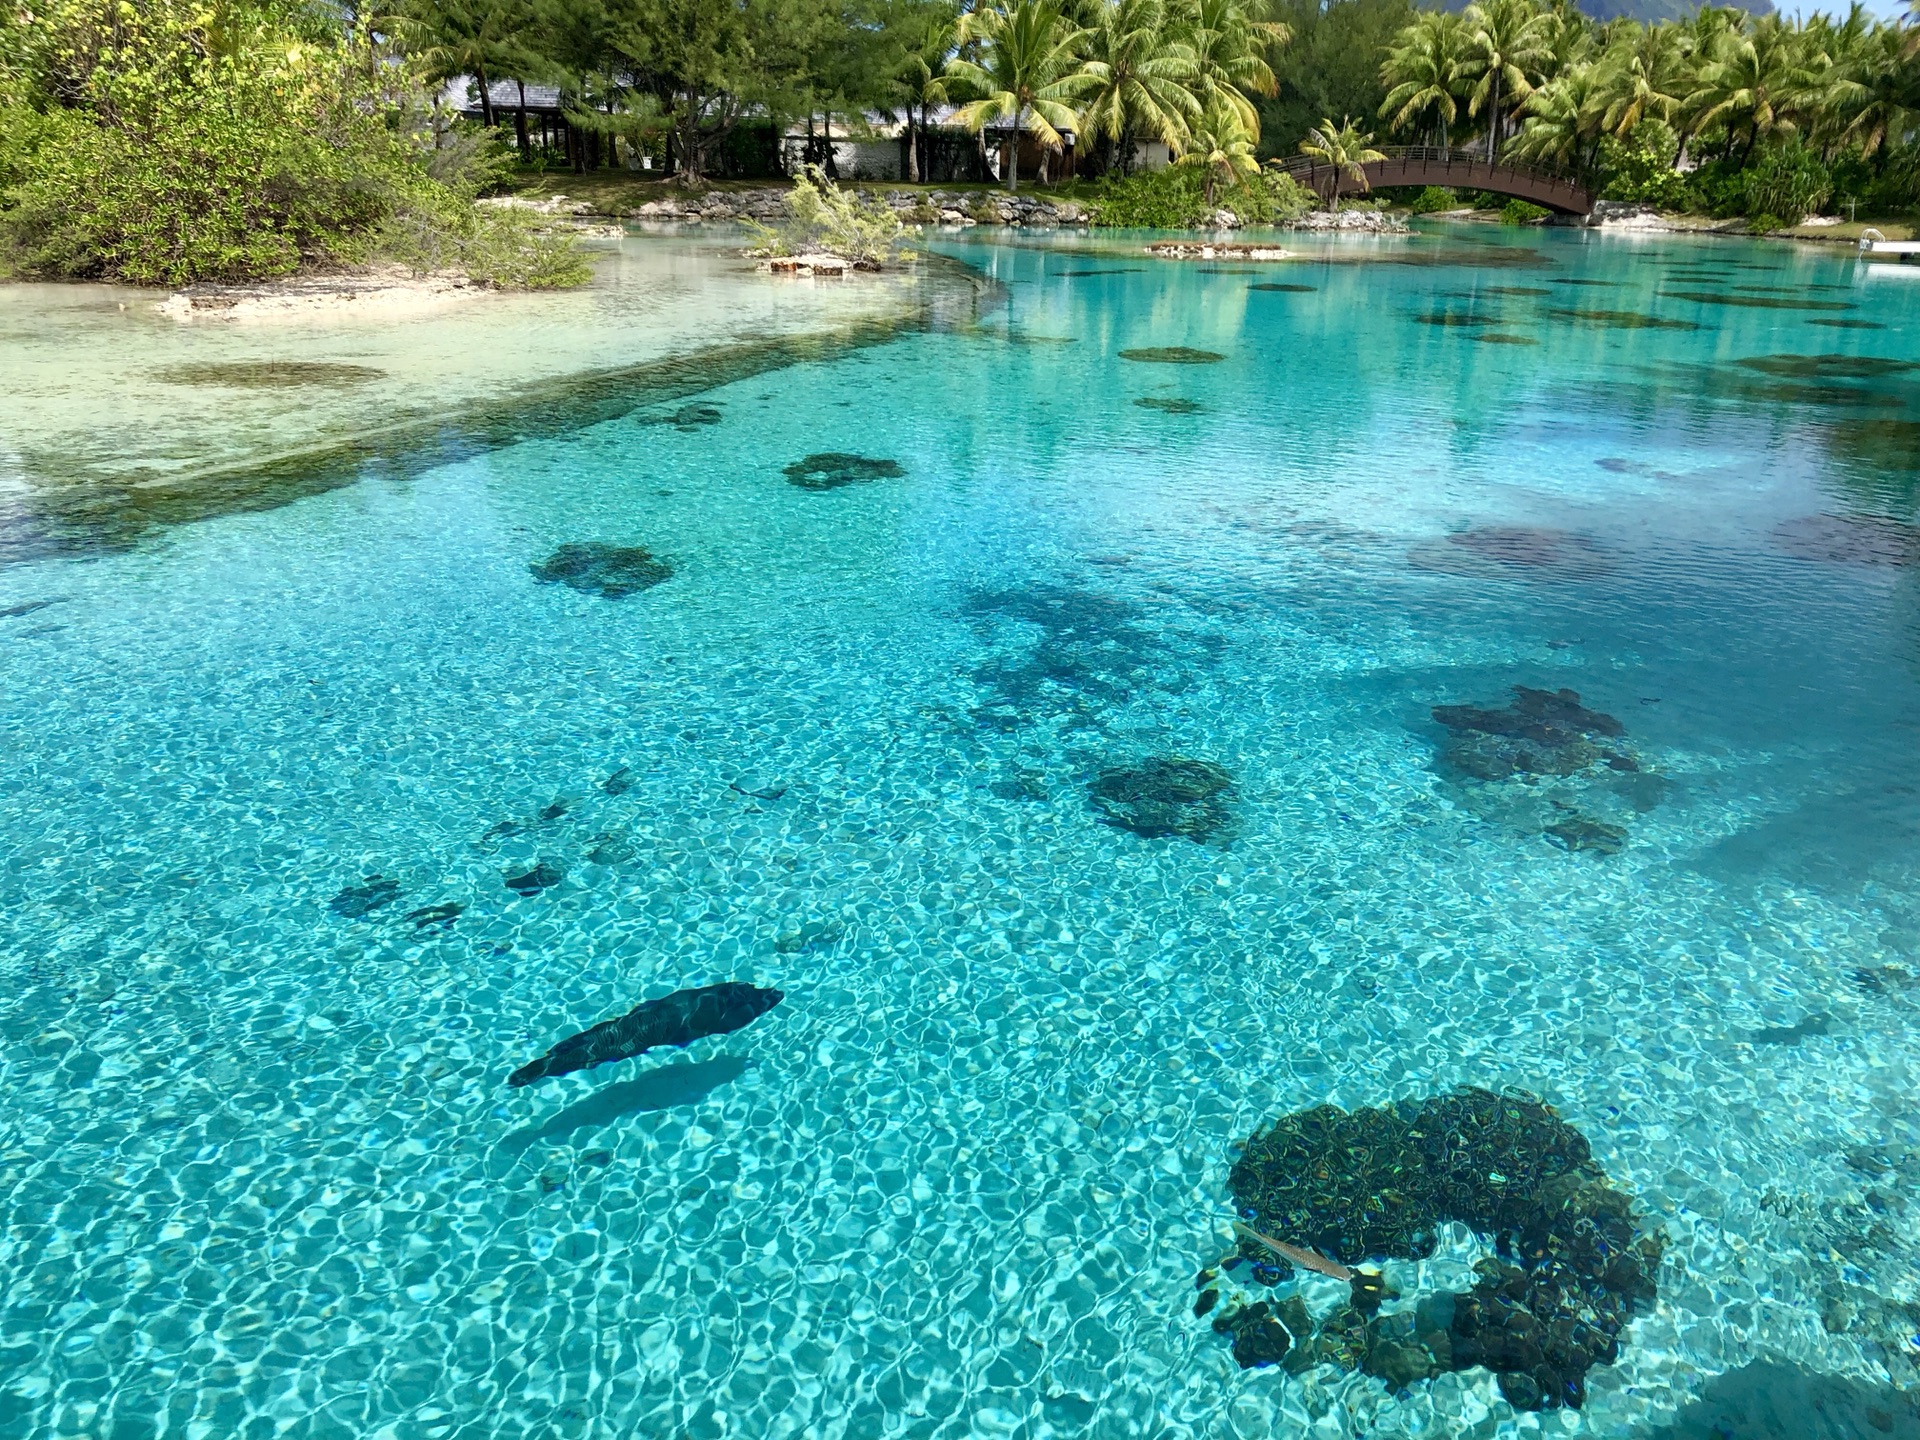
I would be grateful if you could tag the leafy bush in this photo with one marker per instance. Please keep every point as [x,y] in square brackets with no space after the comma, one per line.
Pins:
[1639,168]
[167,142]
[823,217]
[1169,199]
[1269,198]
[1433,199]
[1520,212]
[1788,181]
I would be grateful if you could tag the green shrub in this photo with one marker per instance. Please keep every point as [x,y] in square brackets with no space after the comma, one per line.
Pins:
[1434,199]
[1520,212]
[1169,199]
[1639,168]
[840,222]
[1269,198]
[162,143]
[1788,181]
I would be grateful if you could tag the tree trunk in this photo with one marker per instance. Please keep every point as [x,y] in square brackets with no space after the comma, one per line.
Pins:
[486,100]
[1493,118]
[832,167]
[520,125]
[913,159]
[1010,160]
[1443,132]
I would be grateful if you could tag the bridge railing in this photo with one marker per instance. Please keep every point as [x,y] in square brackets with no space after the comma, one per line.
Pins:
[1448,156]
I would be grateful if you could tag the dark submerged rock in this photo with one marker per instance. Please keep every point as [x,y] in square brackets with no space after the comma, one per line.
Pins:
[1583,832]
[1498,551]
[356,902]
[1546,717]
[542,876]
[833,469]
[1811,1027]
[1172,355]
[1501,337]
[1258,1336]
[1163,796]
[1625,319]
[1574,1262]
[619,782]
[1850,539]
[676,1019]
[1205,1301]
[1286,289]
[687,417]
[269,374]
[435,916]
[1171,405]
[612,572]
[25,607]
[1751,302]
[1827,367]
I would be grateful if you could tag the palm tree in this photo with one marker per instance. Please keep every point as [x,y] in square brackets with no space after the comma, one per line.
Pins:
[1509,42]
[1643,73]
[1143,78]
[452,38]
[1565,121]
[1220,146]
[1029,74]
[1226,43]
[921,80]
[1345,149]
[1875,92]
[1753,82]
[1423,71]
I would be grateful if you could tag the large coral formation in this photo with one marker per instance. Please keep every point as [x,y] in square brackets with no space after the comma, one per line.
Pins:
[1574,1262]
[836,469]
[1547,734]
[612,572]
[1165,795]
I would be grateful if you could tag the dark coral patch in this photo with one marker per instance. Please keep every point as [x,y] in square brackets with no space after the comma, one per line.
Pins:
[612,572]
[1496,550]
[1456,318]
[1501,337]
[1575,1262]
[1827,367]
[834,469]
[1285,289]
[687,417]
[268,374]
[1165,795]
[1850,539]
[1752,302]
[1623,319]
[1542,732]
[1583,832]
[356,902]
[543,876]
[1170,405]
[1173,355]
[1847,324]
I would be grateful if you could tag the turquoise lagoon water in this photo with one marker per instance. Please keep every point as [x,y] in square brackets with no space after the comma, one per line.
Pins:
[260,1173]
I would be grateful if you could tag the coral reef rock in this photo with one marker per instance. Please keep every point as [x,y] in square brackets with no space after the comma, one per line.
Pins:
[1573,1262]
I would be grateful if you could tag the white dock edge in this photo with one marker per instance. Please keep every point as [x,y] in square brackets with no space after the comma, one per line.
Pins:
[1872,242]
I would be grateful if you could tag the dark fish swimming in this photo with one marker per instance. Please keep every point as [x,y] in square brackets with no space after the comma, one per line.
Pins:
[677,1019]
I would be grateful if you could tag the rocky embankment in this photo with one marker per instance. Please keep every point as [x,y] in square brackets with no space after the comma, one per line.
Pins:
[928,207]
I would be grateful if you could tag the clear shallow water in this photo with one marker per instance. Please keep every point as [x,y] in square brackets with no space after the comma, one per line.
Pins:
[261,1172]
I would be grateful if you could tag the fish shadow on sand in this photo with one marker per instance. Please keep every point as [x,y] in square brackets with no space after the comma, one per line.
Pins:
[685,1082]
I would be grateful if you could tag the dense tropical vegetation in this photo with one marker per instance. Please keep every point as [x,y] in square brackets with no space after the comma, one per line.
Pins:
[1724,112]
[168,140]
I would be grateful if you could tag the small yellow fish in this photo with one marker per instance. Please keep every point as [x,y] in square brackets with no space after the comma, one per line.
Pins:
[1305,1259]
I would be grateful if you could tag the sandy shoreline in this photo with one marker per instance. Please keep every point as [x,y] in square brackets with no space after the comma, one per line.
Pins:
[390,292]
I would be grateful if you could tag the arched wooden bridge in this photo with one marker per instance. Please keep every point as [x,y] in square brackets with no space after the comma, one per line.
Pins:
[1452,167]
